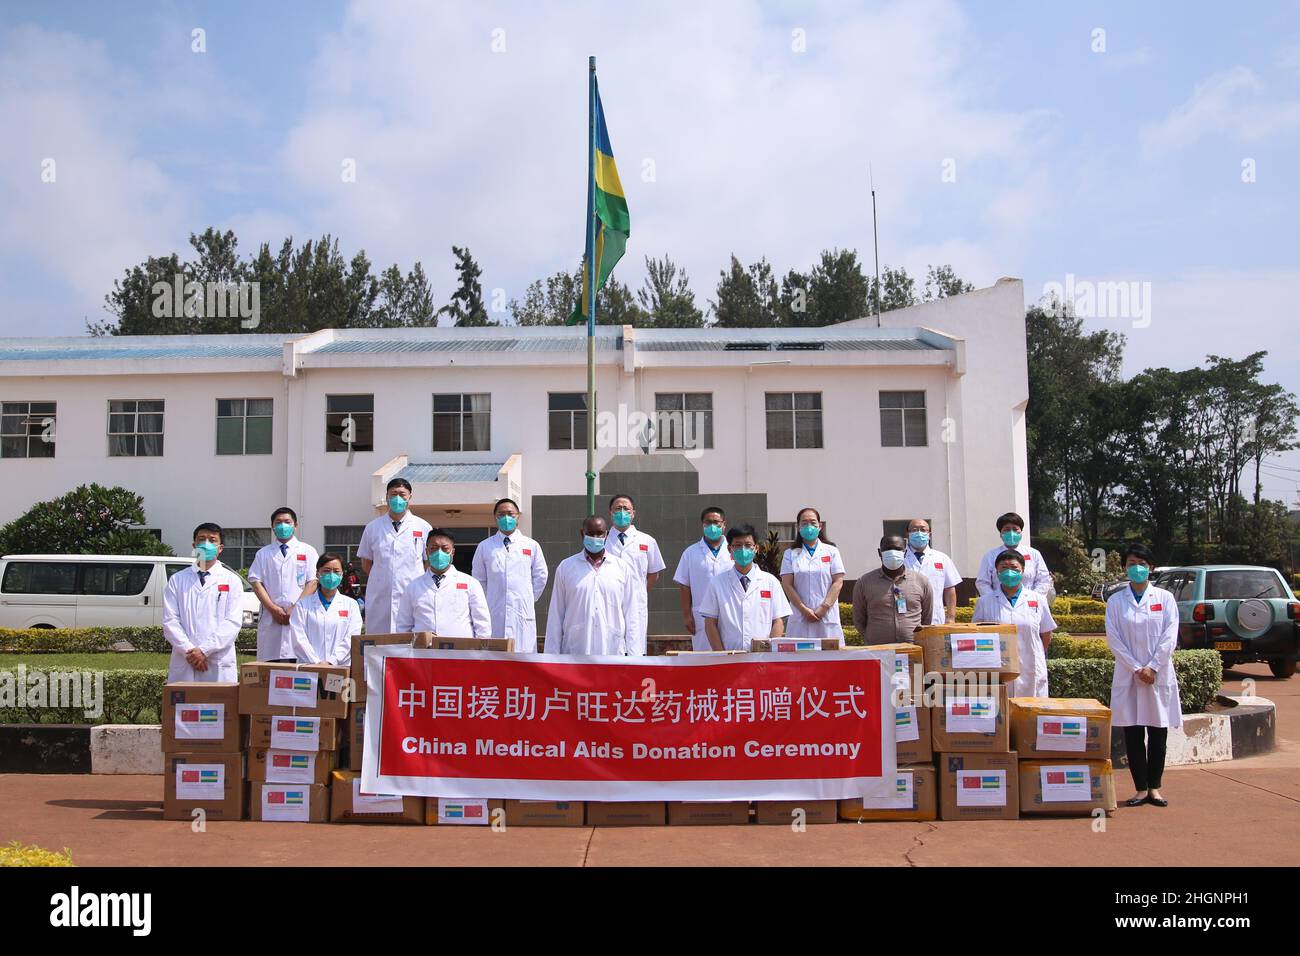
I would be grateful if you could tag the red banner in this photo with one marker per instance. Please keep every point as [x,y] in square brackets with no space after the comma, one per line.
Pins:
[694,727]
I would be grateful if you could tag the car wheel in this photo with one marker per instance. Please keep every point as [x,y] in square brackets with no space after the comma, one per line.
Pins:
[1282,669]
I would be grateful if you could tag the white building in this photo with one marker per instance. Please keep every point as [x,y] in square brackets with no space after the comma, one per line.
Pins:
[923,416]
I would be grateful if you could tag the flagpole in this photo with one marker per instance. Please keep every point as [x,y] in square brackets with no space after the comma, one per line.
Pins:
[591,287]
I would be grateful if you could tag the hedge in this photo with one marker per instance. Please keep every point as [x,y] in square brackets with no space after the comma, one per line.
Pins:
[99,640]
[1093,623]
[1065,647]
[130,697]
[1199,673]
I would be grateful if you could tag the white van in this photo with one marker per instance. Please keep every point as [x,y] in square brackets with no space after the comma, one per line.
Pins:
[91,590]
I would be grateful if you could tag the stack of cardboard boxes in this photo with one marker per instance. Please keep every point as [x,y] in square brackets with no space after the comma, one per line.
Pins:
[1064,751]
[203,764]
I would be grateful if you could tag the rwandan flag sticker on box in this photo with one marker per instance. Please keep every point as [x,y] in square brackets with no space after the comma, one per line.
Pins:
[971,715]
[295,733]
[981,788]
[983,651]
[1065,784]
[200,781]
[293,689]
[1062,733]
[285,804]
[200,721]
[290,767]
[905,728]
[373,802]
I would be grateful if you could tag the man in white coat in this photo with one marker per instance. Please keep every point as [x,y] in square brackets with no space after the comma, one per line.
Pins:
[745,602]
[1038,578]
[512,569]
[935,565]
[638,549]
[699,565]
[280,574]
[392,556]
[593,600]
[202,614]
[446,601]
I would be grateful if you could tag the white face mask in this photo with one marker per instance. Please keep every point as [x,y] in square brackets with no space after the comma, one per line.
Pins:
[893,560]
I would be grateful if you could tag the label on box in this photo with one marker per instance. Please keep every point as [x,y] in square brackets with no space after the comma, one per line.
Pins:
[290,804]
[1065,784]
[201,781]
[903,797]
[976,650]
[981,788]
[1062,733]
[470,812]
[287,766]
[796,645]
[905,728]
[200,721]
[292,689]
[334,683]
[373,802]
[971,715]
[295,733]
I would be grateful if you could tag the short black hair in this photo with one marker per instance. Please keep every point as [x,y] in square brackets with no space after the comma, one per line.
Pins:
[397,483]
[740,531]
[286,510]
[210,526]
[329,556]
[1009,555]
[1012,518]
[710,510]
[889,538]
[441,533]
[504,501]
[1139,551]
[616,497]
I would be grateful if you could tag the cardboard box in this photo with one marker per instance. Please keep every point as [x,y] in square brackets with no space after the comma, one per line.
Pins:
[783,812]
[947,721]
[912,720]
[545,813]
[1060,787]
[979,787]
[356,735]
[285,690]
[349,804]
[213,783]
[710,813]
[357,667]
[781,645]
[288,803]
[1060,727]
[200,717]
[914,798]
[439,642]
[307,734]
[441,811]
[291,766]
[952,647]
[614,813]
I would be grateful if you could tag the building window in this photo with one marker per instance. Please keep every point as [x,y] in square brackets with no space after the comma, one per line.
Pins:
[462,422]
[902,419]
[244,426]
[794,419]
[240,545]
[344,540]
[135,429]
[784,531]
[27,429]
[349,423]
[567,419]
[684,419]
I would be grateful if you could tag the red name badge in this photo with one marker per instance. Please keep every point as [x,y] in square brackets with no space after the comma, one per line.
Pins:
[645,547]
[1157,607]
[1026,557]
[462,585]
[766,594]
[418,534]
[302,557]
[343,613]
[223,587]
[938,565]
[826,559]
[528,551]
[1033,604]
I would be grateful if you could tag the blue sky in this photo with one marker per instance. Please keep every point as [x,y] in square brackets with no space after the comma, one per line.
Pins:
[738,127]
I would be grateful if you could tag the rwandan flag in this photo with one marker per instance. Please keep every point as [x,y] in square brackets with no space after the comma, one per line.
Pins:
[613,225]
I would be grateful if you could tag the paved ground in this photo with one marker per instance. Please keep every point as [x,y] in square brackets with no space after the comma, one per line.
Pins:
[1242,812]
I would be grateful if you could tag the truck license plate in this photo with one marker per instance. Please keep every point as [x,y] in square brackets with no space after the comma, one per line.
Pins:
[1227,645]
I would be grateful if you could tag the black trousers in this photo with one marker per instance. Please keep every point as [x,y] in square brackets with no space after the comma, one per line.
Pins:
[1146,755]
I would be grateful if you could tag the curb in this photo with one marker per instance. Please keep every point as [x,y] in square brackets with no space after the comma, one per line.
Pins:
[1244,731]
[44,748]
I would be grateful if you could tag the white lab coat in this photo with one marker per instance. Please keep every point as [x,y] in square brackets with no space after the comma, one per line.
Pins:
[942,572]
[323,635]
[593,607]
[398,558]
[812,580]
[284,575]
[207,616]
[1033,618]
[1037,576]
[456,607]
[1143,633]
[696,570]
[513,578]
[642,552]
[744,613]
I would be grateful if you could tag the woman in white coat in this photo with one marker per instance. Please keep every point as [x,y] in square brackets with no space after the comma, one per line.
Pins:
[1013,603]
[322,625]
[812,574]
[1142,631]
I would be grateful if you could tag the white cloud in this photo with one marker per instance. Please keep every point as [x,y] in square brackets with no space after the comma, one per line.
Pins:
[1233,102]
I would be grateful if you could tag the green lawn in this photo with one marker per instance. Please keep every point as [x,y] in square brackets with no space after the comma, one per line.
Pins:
[132,661]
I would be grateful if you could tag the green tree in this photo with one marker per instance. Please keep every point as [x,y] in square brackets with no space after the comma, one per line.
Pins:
[667,298]
[942,282]
[897,290]
[549,301]
[466,306]
[746,298]
[90,519]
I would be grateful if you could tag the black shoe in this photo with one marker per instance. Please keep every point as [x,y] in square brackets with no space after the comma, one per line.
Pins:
[1157,801]
[1136,801]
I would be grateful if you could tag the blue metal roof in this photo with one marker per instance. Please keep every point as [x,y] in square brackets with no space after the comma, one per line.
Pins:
[780,340]
[498,339]
[47,353]
[452,471]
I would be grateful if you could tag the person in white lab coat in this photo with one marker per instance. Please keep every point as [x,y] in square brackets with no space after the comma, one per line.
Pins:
[446,601]
[512,569]
[392,556]
[812,574]
[638,549]
[699,565]
[202,614]
[937,566]
[1037,577]
[745,602]
[281,574]
[1015,603]
[1142,632]
[593,600]
[322,624]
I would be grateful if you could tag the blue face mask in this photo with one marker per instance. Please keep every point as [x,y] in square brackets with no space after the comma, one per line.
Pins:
[743,557]
[205,551]
[713,532]
[507,523]
[593,545]
[439,560]
[330,580]
[1138,573]
[1010,577]
[809,532]
[283,531]
[397,504]
[622,519]
[919,540]
[1011,538]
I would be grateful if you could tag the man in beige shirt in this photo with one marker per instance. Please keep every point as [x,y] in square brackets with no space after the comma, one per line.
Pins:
[891,602]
